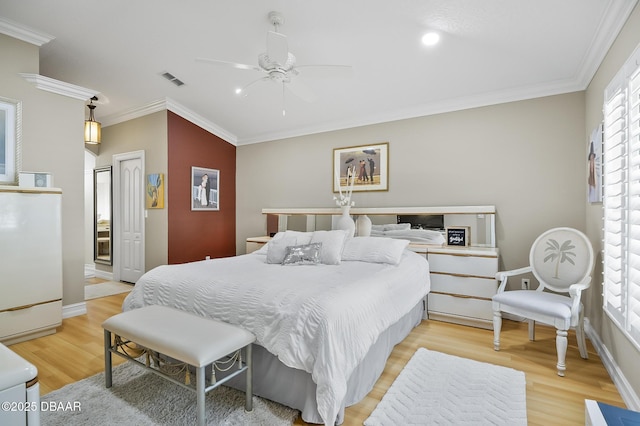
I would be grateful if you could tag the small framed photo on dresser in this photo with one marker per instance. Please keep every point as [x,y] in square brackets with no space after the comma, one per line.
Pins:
[458,236]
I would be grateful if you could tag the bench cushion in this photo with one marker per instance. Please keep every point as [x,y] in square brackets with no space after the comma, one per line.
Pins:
[189,338]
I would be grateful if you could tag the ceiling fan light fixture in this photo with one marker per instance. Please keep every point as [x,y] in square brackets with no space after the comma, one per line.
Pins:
[431,38]
[92,128]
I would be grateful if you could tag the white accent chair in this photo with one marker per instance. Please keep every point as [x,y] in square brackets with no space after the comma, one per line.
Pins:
[561,259]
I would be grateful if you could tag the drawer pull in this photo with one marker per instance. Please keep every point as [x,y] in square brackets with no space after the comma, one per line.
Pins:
[461,296]
[482,256]
[20,308]
[453,274]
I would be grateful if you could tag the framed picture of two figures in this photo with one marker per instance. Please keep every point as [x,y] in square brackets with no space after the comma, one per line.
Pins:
[367,165]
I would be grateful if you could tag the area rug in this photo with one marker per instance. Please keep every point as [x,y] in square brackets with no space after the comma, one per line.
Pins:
[440,389]
[139,397]
[108,288]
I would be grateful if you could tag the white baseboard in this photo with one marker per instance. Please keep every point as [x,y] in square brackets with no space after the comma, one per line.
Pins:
[89,270]
[627,393]
[74,310]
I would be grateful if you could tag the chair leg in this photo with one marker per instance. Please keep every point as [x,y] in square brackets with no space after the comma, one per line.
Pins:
[582,344]
[561,347]
[200,405]
[532,330]
[497,326]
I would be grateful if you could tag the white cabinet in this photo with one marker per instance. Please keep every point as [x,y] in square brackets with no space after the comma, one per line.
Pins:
[19,390]
[462,284]
[255,243]
[30,261]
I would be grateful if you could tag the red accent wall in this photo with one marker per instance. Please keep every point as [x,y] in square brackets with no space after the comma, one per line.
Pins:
[193,235]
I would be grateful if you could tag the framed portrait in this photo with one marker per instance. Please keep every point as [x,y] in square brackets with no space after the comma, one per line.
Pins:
[10,140]
[594,162]
[155,191]
[368,165]
[205,189]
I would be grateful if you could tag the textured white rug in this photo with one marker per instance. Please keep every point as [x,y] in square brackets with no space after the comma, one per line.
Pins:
[440,389]
[139,397]
[108,288]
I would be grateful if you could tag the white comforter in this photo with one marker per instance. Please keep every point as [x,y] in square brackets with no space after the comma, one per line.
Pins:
[322,319]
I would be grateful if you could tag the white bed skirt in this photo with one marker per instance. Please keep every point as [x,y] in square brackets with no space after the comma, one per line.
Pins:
[295,388]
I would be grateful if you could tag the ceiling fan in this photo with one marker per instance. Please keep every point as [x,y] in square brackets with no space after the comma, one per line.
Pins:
[278,65]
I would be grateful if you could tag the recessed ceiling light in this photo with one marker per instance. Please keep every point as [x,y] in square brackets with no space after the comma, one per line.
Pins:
[238,90]
[430,38]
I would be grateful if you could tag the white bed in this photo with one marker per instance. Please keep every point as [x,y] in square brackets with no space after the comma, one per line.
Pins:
[334,325]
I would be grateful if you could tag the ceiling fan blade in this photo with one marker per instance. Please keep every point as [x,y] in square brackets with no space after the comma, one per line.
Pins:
[301,90]
[326,71]
[244,91]
[277,48]
[230,64]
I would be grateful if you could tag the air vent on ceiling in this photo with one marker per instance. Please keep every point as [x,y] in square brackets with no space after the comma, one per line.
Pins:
[172,78]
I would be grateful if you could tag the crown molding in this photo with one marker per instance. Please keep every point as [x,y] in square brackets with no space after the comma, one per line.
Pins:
[59,87]
[169,104]
[199,120]
[440,107]
[24,33]
[611,23]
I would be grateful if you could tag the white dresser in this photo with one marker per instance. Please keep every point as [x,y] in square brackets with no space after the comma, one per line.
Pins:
[30,261]
[462,284]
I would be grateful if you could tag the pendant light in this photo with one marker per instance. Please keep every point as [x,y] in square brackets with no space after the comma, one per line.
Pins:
[92,128]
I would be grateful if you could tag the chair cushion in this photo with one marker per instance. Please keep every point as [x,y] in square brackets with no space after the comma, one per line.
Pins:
[551,304]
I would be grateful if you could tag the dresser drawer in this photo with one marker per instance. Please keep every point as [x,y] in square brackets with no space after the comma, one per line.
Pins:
[468,286]
[30,320]
[462,306]
[463,264]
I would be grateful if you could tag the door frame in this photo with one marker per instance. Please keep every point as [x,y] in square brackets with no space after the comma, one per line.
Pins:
[117,212]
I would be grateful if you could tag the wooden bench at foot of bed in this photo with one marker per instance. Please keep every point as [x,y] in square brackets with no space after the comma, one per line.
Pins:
[192,340]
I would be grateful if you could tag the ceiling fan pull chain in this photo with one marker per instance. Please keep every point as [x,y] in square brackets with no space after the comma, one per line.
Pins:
[284,110]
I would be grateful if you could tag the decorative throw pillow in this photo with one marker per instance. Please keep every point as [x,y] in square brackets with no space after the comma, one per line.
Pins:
[308,254]
[374,249]
[332,245]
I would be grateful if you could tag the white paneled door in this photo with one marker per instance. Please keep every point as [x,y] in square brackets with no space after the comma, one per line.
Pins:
[130,229]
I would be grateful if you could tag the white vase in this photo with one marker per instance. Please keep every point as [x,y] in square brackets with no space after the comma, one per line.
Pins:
[363,226]
[345,222]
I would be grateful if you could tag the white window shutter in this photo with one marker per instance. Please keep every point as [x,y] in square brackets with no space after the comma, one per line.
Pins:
[621,199]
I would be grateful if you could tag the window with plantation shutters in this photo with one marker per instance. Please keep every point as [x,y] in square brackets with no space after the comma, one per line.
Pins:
[621,199]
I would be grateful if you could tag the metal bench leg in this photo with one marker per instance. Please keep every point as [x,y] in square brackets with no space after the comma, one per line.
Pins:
[107,358]
[248,405]
[200,385]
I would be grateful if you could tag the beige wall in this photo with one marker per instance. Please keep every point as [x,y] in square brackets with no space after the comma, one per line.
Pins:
[626,356]
[52,141]
[148,133]
[527,158]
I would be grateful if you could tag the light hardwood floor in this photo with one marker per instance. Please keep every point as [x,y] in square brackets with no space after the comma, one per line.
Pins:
[76,352]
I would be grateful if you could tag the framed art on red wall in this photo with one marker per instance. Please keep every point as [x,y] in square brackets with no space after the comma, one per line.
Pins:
[205,189]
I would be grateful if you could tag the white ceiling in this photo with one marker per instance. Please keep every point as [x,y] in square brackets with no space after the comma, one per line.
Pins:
[490,51]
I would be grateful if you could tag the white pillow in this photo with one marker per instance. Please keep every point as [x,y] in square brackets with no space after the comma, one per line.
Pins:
[277,246]
[332,245]
[391,227]
[374,249]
